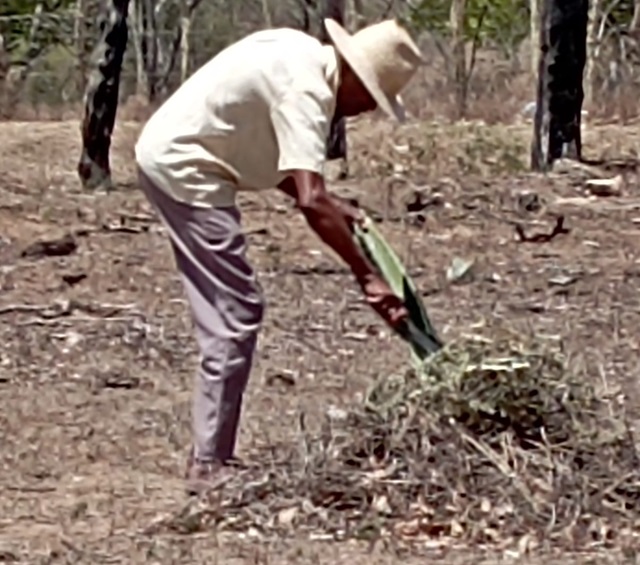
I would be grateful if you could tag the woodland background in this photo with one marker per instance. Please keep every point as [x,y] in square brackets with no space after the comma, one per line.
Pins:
[98,355]
[481,60]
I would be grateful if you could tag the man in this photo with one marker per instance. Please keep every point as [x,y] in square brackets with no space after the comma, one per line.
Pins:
[257,116]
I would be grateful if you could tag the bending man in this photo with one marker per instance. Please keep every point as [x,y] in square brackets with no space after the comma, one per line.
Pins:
[257,117]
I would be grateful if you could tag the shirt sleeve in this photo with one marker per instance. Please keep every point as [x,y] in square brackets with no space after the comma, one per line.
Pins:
[301,121]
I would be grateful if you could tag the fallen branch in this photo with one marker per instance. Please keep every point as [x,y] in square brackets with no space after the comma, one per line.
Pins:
[65,308]
[68,321]
[58,247]
[558,229]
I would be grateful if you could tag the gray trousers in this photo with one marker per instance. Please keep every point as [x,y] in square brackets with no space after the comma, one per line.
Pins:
[226,307]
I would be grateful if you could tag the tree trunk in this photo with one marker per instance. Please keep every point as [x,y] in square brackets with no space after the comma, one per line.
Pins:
[534,35]
[79,43]
[135,27]
[634,26]
[144,36]
[150,51]
[185,28]
[337,141]
[460,77]
[5,65]
[563,35]
[266,14]
[185,39]
[101,97]
[592,52]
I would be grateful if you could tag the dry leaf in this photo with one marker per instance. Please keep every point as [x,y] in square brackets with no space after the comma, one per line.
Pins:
[526,544]
[456,528]
[381,504]
[287,516]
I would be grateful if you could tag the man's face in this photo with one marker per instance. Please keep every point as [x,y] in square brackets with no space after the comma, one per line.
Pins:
[353,97]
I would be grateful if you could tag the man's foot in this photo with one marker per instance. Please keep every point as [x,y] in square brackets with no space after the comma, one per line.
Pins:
[204,476]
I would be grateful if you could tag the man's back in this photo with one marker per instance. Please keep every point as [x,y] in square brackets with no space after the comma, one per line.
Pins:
[223,128]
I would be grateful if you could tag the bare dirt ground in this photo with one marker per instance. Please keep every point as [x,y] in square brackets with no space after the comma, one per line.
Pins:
[98,358]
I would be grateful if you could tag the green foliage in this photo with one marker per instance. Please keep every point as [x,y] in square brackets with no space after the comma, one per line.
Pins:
[418,331]
[619,12]
[16,20]
[502,24]
[52,80]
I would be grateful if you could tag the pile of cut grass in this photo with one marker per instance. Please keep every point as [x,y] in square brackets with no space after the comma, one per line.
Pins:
[491,441]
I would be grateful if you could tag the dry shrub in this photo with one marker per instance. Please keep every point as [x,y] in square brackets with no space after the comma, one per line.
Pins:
[620,105]
[136,108]
[492,441]
[428,151]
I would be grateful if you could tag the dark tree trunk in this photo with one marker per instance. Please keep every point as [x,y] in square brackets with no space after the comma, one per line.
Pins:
[337,141]
[101,96]
[563,39]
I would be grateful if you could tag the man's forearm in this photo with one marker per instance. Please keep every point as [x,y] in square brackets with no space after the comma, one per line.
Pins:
[350,213]
[330,217]
[333,226]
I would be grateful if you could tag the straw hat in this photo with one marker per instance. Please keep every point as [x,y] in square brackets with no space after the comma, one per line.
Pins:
[383,56]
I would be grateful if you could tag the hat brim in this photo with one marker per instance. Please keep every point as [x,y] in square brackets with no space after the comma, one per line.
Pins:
[358,62]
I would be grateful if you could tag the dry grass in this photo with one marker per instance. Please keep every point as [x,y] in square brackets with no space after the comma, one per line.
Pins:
[98,355]
[490,442]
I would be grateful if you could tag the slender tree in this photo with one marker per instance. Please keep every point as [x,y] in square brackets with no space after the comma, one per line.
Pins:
[186,17]
[101,96]
[460,79]
[534,34]
[563,38]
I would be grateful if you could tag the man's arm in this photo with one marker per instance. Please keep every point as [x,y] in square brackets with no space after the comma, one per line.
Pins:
[300,122]
[350,211]
[330,217]
[333,223]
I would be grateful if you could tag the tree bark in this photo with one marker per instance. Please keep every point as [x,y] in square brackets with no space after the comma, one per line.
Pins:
[337,140]
[185,28]
[266,14]
[634,26]
[563,36]
[135,28]
[150,46]
[592,52]
[534,35]
[185,39]
[101,97]
[5,65]
[79,43]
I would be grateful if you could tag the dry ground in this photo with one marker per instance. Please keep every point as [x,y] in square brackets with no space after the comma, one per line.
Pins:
[97,356]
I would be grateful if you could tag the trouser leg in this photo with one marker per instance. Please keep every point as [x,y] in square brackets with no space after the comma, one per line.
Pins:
[223,372]
[227,309]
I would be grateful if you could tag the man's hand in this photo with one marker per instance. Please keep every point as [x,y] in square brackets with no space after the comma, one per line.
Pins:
[382,299]
[332,219]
